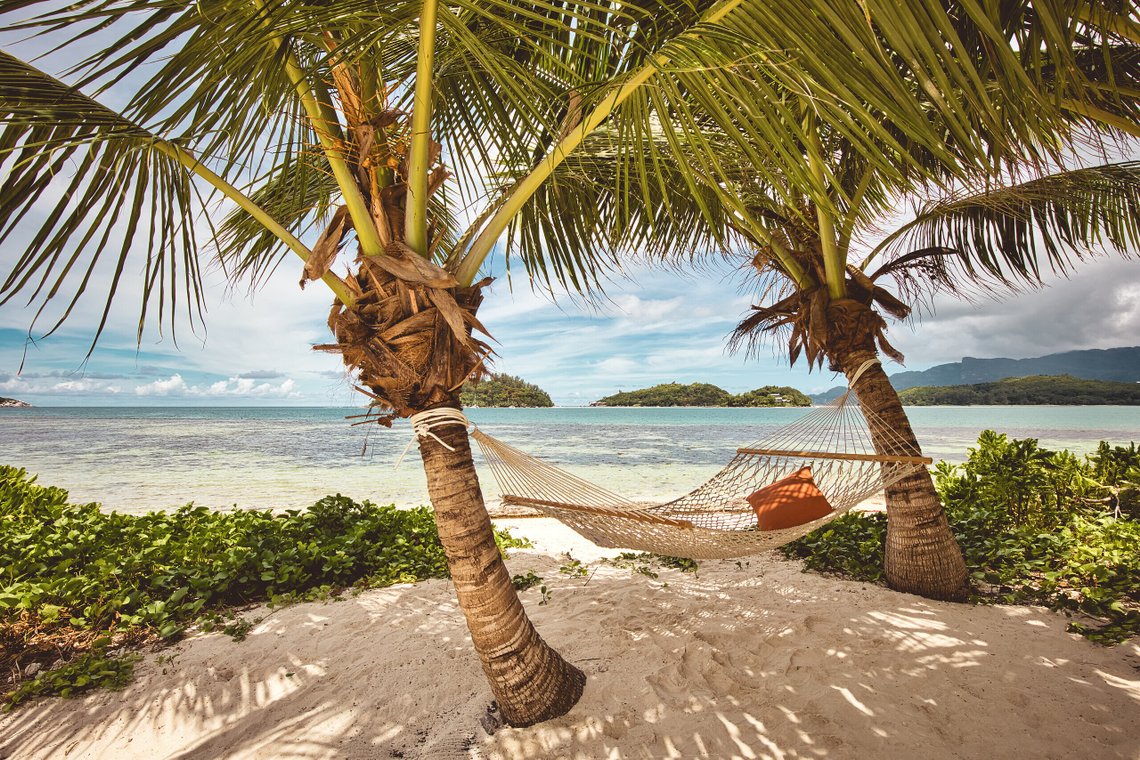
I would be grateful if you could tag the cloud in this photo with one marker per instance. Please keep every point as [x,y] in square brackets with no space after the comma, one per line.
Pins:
[647,311]
[234,387]
[1098,307]
[84,386]
[245,387]
[21,386]
[617,365]
[70,374]
[172,386]
[262,374]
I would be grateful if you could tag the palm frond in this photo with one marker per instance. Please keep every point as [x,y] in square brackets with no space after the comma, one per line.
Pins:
[1013,236]
[125,200]
[200,60]
[606,205]
[300,193]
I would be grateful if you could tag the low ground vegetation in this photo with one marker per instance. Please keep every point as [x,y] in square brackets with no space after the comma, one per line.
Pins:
[79,585]
[1035,526]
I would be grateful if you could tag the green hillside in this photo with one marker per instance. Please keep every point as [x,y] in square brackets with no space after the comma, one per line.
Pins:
[705,394]
[1064,390]
[771,395]
[503,390]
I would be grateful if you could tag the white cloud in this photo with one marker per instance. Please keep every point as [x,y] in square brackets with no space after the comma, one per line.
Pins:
[646,310]
[618,365]
[84,386]
[21,386]
[173,386]
[234,387]
[1098,307]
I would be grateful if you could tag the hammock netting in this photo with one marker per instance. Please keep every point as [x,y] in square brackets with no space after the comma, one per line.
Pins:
[715,521]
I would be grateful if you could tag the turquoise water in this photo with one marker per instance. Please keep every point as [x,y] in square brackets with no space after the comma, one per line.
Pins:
[135,459]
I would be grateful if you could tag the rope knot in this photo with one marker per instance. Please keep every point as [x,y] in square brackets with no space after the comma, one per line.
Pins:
[424,422]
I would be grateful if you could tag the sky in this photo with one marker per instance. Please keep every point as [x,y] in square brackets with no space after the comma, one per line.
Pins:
[653,327]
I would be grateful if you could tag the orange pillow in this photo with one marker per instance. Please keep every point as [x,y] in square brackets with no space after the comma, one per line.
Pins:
[789,502]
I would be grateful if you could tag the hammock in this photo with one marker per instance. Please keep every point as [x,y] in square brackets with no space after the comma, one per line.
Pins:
[714,521]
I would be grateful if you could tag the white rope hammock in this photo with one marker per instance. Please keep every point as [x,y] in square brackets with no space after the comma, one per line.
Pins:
[715,520]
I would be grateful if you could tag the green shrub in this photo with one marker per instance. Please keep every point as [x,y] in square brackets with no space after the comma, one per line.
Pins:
[1117,469]
[851,545]
[1035,527]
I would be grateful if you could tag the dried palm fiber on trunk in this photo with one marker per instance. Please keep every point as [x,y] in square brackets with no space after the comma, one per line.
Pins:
[715,520]
[409,331]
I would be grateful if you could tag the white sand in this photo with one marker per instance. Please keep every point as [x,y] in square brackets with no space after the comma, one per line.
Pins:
[755,661]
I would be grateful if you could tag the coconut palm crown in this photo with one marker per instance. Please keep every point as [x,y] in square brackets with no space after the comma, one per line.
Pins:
[384,137]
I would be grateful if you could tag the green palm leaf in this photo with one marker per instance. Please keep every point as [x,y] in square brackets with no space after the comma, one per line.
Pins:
[125,198]
[1014,235]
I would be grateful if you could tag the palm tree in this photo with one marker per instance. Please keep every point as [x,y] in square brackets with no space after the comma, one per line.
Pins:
[997,231]
[310,120]
[997,238]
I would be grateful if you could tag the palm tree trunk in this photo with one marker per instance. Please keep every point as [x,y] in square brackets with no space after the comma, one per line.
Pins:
[530,681]
[922,557]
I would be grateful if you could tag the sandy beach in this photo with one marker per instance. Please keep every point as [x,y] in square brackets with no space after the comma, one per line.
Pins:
[741,660]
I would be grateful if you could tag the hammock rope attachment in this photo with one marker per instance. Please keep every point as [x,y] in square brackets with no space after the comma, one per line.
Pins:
[715,520]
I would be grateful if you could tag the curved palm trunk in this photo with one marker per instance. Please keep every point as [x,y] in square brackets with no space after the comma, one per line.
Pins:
[922,557]
[531,682]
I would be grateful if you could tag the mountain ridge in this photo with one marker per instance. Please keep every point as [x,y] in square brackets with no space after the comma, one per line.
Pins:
[1120,365]
[1064,390]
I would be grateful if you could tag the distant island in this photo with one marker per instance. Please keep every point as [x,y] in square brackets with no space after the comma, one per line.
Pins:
[504,391]
[14,403]
[1120,365]
[1062,390]
[705,394]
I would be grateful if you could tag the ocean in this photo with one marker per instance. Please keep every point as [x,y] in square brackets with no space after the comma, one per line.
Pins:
[138,459]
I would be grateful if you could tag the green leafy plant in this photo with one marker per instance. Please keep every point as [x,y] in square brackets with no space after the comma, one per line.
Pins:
[574,568]
[643,563]
[1117,470]
[637,562]
[524,582]
[851,545]
[92,670]
[684,564]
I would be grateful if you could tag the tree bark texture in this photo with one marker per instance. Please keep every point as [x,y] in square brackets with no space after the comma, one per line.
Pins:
[921,557]
[530,681]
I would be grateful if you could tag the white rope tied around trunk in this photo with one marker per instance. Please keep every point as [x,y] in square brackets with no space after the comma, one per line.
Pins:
[424,422]
[859,372]
[855,378]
